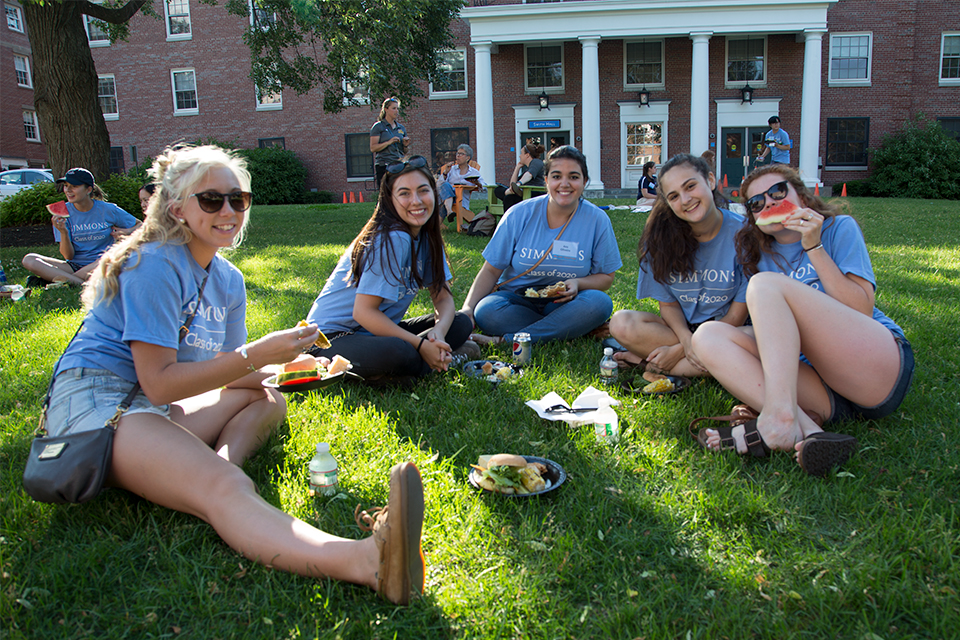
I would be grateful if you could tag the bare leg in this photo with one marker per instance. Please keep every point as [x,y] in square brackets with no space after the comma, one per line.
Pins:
[50,269]
[855,355]
[166,464]
[642,332]
[235,422]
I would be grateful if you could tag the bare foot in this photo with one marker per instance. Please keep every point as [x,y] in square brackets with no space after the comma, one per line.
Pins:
[483,340]
[779,435]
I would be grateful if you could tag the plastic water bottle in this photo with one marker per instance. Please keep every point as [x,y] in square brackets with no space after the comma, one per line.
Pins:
[323,472]
[608,368]
[606,424]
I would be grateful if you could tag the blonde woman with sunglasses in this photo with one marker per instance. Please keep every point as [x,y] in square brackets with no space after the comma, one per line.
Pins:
[399,251]
[202,409]
[819,350]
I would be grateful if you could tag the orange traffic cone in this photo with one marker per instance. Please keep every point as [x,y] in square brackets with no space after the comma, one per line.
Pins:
[360,195]
[353,198]
[843,193]
[344,197]
[735,193]
[816,189]
[724,181]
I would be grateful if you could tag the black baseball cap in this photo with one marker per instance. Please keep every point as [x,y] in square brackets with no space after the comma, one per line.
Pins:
[78,176]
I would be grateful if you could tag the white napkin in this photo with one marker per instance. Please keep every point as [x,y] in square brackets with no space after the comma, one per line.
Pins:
[589,398]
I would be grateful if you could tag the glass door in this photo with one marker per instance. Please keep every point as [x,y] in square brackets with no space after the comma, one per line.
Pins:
[740,148]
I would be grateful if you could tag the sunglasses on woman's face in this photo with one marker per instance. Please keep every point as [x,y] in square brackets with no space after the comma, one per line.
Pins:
[212,201]
[417,162]
[777,192]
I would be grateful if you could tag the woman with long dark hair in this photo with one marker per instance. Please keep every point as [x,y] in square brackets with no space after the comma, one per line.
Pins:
[688,265]
[398,252]
[819,350]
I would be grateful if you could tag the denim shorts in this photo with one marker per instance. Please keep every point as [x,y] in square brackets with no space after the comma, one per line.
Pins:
[76,266]
[84,399]
[843,409]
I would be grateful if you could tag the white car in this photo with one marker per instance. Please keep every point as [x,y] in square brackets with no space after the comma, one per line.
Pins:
[16,179]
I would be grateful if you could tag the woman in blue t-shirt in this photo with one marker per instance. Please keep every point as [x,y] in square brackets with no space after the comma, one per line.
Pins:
[559,238]
[202,408]
[88,230]
[647,187]
[398,252]
[688,264]
[810,297]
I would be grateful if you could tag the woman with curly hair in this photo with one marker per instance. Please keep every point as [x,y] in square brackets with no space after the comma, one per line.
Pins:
[819,350]
[688,265]
[202,408]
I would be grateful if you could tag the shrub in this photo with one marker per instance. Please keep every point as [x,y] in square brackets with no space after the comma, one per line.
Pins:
[855,188]
[121,190]
[316,197]
[277,175]
[920,161]
[28,206]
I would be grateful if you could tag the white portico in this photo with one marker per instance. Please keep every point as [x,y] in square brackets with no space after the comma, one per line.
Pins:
[591,22]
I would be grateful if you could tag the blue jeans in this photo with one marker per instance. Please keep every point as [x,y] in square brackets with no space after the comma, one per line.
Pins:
[504,313]
[446,190]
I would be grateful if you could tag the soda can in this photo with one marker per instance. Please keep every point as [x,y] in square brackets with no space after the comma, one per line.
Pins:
[521,348]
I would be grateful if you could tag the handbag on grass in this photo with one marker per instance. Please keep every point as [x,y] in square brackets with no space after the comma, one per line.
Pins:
[72,468]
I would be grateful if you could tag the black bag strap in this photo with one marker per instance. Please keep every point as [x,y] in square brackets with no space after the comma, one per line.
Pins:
[545,253]
[128,399]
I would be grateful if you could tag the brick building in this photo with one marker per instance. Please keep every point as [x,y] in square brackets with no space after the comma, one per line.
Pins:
[625,80]
[20,136]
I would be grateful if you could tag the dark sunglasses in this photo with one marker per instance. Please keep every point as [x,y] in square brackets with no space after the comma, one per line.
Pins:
[777,192]
[417,162]
[212,201]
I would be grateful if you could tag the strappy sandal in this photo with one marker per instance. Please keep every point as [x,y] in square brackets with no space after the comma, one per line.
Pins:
[820,452]
[755,444]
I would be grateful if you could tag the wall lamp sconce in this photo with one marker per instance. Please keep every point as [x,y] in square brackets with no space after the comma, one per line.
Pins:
[644,96]
[544,101]
[746,94]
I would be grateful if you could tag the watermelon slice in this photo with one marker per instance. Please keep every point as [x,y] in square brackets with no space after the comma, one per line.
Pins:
[776,213]
[298,377]
[58,209]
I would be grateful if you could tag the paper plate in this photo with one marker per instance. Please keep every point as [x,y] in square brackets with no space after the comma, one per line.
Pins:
[474,369]
[555,476]
[310,385]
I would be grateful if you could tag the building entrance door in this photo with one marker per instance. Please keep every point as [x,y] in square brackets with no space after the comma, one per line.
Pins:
[549,140]
[741,145]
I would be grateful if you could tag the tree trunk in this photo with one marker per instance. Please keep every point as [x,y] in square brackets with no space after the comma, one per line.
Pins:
[65,89]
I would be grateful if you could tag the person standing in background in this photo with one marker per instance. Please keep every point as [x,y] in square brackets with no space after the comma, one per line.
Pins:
[388,138]
[778,143]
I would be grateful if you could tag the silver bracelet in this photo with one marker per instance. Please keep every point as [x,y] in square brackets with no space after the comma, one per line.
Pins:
[819,245]
[243,353]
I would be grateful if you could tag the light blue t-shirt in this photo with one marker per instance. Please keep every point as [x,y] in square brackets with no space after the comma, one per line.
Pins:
[716,282]
[157,293]
[587,246]
[843,241]
[90,230]
[393,281]
[776,154]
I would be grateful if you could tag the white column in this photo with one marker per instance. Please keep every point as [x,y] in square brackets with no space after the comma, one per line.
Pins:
[590,94]
[483,89]
[810,107]
[700,94]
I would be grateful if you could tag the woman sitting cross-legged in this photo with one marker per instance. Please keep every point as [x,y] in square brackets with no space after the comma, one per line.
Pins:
[818,344]
[398,252]
[202,408]
[460,172]
[688,264]
[558,240]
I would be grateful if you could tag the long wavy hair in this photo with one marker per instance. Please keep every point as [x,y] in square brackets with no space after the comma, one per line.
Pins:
[667,242]
[751,241]
[386,219]
[176,172]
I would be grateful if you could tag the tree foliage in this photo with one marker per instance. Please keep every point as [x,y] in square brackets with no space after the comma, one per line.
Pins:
[921,160]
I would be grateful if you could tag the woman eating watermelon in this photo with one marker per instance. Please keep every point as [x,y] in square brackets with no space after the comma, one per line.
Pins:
[688,264]
[84,227]
[818,347]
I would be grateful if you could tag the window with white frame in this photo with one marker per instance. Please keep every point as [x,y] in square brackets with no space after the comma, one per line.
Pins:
[30,127]
[269,100]
[177,15]
[453,68]
[950,58]
[14,19]
[746,62]
[96,35]
[544,65]
[356,92]
[22,66]
[260,17]
[643,64]
[850,59]
[107,94]
[644,143]
[184,83]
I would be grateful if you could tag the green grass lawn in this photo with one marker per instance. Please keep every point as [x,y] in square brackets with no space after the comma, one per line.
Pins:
[653,538]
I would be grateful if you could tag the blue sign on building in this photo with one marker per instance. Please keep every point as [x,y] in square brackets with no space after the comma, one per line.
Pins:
[543,124]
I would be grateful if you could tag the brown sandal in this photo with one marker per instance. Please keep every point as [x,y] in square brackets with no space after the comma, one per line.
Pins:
[755,444]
